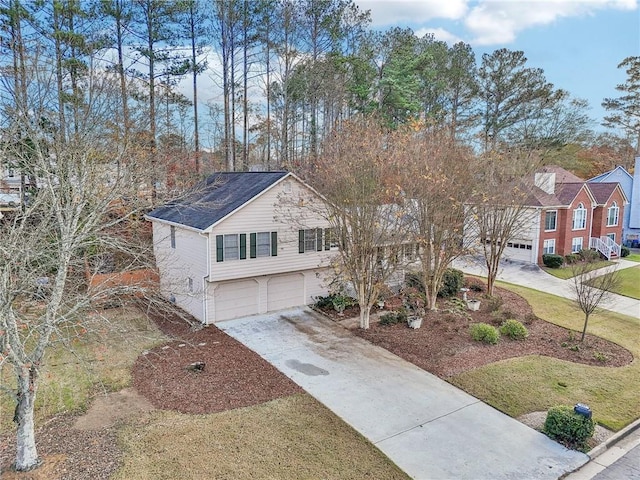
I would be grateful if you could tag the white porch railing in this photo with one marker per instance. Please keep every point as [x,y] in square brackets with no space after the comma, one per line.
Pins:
[605,246]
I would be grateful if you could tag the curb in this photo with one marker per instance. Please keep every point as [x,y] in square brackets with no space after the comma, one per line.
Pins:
[612,440]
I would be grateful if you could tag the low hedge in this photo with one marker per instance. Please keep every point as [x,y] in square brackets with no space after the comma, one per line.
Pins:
[568,427]
[552,260]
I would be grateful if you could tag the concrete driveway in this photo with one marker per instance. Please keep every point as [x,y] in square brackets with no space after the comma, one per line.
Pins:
[429,428]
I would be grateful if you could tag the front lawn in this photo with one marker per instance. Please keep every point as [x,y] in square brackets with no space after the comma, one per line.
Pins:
[535,383]
[628,282]
[288,438]
[565,272]
[633,257]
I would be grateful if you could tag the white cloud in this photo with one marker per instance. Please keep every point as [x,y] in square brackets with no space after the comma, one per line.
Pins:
[439,34]
[393,12]
[499,21]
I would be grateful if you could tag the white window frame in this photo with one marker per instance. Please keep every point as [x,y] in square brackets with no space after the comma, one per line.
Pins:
[263,249]
[311,240]
[580,217]
[549,246]
[555,220]
[577,244]
[613,211]
[228,248]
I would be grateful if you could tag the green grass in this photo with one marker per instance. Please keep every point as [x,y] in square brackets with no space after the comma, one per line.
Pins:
[633,257]
[566,272]
[628,282]
[288,438]
[535,383]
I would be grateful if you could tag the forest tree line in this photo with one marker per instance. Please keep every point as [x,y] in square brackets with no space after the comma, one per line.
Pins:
[286,74]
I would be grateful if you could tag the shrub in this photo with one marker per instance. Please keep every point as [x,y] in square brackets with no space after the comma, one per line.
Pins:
[567,427]
[529,318]
[452,282]
[475,285]
[552,260]
[483,332]
[624,251]
[414,280]
[495,303]
[571,259]
[323,302]
[393,318]
[514,330]
[589,255]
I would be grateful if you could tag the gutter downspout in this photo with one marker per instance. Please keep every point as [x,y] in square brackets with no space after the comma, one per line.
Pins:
[205,279]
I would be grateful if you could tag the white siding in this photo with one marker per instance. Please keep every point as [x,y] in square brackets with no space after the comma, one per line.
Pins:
[188,260]
[237,298]
[274,211]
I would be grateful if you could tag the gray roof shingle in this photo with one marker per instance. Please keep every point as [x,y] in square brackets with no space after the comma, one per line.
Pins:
[215,198]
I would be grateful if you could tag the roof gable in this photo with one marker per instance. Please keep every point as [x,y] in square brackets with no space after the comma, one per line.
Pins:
[217,197]
[603,177]
[602,192]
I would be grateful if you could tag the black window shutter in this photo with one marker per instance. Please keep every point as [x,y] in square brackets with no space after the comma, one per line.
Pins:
[327,238]
[252,245]
[274,244]
[300,241]
[243,246]
[318,239]
[219,248]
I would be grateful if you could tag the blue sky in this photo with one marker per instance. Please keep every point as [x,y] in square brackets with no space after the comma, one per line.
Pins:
[578,43]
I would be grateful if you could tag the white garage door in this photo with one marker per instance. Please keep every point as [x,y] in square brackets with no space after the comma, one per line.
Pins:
[284,291]
[236,299]
[520,250]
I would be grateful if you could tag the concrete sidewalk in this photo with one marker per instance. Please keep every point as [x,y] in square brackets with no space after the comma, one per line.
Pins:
[429,428]
[532,276]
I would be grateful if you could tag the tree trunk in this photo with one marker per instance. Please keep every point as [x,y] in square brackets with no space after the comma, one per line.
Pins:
[584,329]
[365,313]
[26,455]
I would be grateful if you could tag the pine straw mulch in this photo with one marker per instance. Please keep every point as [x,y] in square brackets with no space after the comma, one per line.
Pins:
[233,376]
[444,347]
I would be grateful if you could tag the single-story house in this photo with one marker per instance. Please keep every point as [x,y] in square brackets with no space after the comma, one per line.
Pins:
[243,243]
[630,184]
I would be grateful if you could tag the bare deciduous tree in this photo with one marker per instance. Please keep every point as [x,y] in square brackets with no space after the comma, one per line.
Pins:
[436,175]
[591,289]
[363,207]
[73,217]
[498,211]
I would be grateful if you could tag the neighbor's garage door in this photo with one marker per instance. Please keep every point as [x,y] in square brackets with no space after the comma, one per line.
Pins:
[284,291]
[236,299]
[519,250]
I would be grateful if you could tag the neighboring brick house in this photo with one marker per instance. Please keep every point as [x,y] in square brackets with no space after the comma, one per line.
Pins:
[566,215]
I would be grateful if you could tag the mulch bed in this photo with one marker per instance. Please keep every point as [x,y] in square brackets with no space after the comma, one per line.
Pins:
[233,376]
[444,347]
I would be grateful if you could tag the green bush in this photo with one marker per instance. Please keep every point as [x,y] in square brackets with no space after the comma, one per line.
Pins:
[567,427]
[393,318]
[589,255]
[514,330]
[475,285]
[483,332]
[414,280]
[452,282]
[552,260]
[495,303]
[571,259]
[624,251]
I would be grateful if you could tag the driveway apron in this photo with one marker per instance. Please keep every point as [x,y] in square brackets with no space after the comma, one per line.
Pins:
[429,428]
